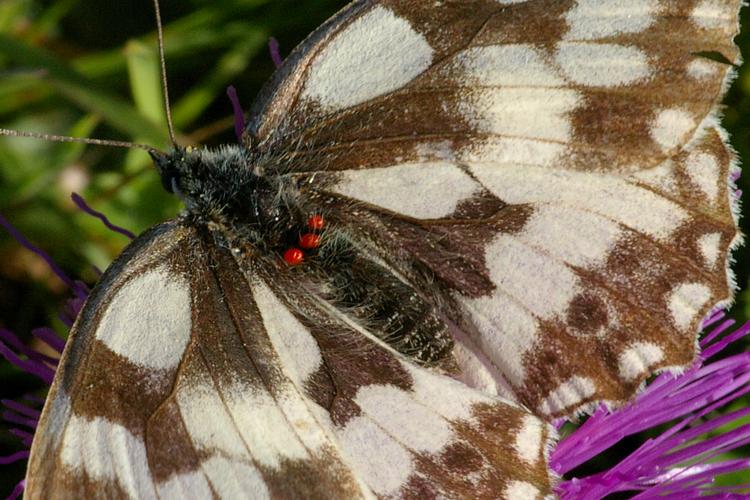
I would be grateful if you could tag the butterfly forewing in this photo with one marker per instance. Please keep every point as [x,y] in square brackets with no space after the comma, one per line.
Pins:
[192,374]
[555,168]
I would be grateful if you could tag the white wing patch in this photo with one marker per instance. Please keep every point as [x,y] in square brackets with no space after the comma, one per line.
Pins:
[602,64]
[248,425]
[684,302]
[107,451]
[186,485]
[475,371]
[446,396]
[504,65]
[520,490]
[396,427]
[530,286]
[703,170]
[235,479]
[415,425]
[148,321]
[605,195]
[638,358]
[661,177]
[593,19]
[712,14]
[542,285]
[417,190]
[506,331]
[57,417]
[359,63]
[529,439]
[701,69]
[514,88]
[298,350]
[513,150]
[384,464]
[569,393]
[263,426]
[709,247]
[550,228]
[518,112]
[207,420]
[671,128]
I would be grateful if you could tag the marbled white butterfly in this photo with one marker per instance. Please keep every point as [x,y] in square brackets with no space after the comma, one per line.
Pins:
[448,223]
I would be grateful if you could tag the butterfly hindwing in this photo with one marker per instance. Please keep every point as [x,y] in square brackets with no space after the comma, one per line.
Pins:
[191,373]
[409,431]
[555,168]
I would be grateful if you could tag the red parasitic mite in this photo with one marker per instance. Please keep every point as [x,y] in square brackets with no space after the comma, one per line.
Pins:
[316,222]
[293,256]
[309,241]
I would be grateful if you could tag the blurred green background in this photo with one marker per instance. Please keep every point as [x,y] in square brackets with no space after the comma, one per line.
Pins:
[90,68]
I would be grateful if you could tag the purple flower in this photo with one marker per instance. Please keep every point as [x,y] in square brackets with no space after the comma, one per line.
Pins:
[683,460]
[23,416]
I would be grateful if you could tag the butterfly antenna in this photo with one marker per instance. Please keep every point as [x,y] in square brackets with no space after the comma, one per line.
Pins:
[167,107]
[80,140]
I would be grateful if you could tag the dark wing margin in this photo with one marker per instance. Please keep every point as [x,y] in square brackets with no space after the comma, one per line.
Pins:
[556,170]
[189,375]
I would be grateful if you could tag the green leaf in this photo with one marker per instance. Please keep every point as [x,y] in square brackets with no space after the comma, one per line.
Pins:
[115,111]
[145,80]
[195,102]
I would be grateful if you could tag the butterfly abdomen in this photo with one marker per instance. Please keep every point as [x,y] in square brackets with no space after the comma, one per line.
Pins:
[373,295]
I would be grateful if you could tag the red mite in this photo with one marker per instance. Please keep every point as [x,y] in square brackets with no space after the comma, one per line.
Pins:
[316,222]
[309,240]
[293,256]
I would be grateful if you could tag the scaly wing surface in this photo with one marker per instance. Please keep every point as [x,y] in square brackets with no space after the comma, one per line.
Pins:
[556,169]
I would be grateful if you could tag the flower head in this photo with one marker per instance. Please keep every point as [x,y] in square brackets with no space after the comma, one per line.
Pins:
[682,459]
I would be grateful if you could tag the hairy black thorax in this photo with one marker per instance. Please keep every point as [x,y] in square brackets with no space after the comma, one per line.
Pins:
[248,210]
[226,190]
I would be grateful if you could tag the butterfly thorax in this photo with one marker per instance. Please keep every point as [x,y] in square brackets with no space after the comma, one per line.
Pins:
[225,190]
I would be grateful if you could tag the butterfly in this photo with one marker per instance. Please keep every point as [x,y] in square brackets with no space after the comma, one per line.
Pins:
[447,224]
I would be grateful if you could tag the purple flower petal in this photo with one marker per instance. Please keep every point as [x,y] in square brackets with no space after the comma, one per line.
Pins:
[680,461]
[32,398]
[22,349]
[21,408]
[36,368]
[18,490]
[9,416]
[273,48]
[25,436]
[239,115]
[15,457]
[81,203]
[16,234]
[49,337]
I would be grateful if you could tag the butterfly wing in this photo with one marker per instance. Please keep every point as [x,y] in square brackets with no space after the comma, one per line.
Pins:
[555,168]
[186,377]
